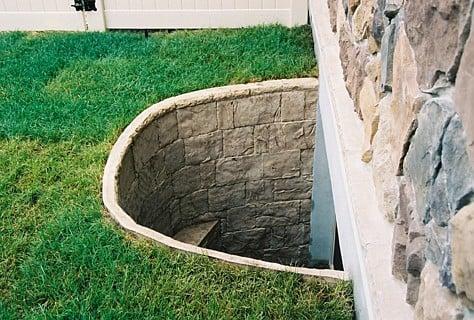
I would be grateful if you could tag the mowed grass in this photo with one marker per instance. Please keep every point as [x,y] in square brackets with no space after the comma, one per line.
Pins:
[64,98]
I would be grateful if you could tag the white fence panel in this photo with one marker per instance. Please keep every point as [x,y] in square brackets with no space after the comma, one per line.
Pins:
[39,15]
[194,14]
[149,14]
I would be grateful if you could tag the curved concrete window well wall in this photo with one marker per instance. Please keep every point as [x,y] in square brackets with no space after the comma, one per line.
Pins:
[226,169]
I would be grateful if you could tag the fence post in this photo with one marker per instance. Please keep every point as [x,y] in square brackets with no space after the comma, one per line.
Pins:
[95,20]
[299,12]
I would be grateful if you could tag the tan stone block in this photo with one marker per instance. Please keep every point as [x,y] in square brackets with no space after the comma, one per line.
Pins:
[203,148]
[196,120]
[269,138]
[362,20]
[340,16]
[299,135]
[238,142]
[462,246]
[260,109]
[405,92]
[434,301]
[281,165]
[238,169]
[373,45]
[332,5]
[311,102]
[354,56]
[370,115]
[435,30]
[225,114]
[292,106]
[353,4]
[464,94]
[373,69]
[386,186]
[307,161]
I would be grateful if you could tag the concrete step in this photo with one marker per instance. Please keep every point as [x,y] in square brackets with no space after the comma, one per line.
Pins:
[202,234]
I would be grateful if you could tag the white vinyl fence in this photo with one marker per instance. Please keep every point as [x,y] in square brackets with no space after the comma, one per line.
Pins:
[38,15]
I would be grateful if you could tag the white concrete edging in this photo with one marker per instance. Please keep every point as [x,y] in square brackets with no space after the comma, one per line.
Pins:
[365,235]
[110,182]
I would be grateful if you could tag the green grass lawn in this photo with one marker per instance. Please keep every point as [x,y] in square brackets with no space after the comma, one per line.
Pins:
[64,98]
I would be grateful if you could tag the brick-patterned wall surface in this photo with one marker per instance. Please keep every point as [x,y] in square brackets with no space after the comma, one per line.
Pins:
[408,66]
[244,160]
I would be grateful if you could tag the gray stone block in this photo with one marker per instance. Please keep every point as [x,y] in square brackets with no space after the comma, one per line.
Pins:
[258,191]
[226,197]
[305,211]
[392,7]
[257,110]
[386,50]
[413,287]
[155,211]
[416,256]
[299,135]
[281,165]
[445,271]
[422,161]
[293,106]
[456,164]
[271,221]
[238,142]
[242,218]
[127,173]
[298,234]
[294,256]
[207,171]
[186,180]
[399,252]
[145,146]
[307,157]
[277,237]
[379,21]
[298,188]
[239,169]
[154,137]
[438,206]
[436,242]
[167,126]
[246,241]
[203,148]
[193,205]
[174,156]
[197,120]
[287,236]
[225,114]
[146,180]
[286,209]
[311,100]
[269,138]
[132,201]
[156,165]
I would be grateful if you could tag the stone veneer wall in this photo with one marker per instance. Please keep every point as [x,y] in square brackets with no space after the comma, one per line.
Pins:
[409,67]
[241,157]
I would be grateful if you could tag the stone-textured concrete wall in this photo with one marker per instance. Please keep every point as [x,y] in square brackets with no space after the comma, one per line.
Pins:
[242,158]
[408,66]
